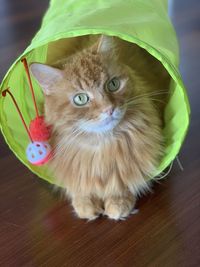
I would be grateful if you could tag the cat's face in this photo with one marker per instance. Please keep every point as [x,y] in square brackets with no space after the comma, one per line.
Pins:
[89,92]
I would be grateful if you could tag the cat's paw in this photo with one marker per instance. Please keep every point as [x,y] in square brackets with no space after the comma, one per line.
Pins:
[118,208]
[87,208]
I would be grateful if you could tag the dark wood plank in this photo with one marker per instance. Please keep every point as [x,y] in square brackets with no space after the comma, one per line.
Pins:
[38,227]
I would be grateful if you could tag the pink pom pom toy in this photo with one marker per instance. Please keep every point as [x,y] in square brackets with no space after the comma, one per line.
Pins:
[39,130]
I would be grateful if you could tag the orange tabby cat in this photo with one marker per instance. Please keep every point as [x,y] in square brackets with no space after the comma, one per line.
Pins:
[107,136]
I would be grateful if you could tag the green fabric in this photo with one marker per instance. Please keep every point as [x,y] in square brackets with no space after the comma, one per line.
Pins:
[143,22]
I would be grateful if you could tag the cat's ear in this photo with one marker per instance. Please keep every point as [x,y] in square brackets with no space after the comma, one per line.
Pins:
[105,44]
[46,76]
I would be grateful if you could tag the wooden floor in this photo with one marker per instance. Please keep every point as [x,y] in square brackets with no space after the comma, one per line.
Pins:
[38,228]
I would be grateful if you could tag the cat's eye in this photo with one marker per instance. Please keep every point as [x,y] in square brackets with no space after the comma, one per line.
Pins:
[81,99]
[113,85]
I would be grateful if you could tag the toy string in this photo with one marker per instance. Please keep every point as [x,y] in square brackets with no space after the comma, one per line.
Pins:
[17,107]
[24,61]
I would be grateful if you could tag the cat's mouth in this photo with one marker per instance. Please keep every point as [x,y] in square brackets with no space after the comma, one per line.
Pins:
[109,122]
[104,125]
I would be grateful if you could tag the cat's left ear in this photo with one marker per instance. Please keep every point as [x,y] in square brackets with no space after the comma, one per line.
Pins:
[46,76]
[105,44]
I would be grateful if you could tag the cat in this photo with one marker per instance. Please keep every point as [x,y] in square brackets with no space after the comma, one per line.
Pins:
[106,128]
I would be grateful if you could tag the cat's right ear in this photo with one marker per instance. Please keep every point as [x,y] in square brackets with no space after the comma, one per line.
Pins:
[105,44]
[46,76]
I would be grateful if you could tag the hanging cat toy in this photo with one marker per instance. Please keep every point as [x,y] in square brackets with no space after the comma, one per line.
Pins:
[38,151]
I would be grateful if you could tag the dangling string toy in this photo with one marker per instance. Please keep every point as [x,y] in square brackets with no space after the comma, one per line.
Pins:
[39,151]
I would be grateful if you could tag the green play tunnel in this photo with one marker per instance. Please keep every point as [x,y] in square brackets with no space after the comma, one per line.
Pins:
[145,23]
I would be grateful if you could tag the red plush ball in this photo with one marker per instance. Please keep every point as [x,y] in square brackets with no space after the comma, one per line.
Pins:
[39,130]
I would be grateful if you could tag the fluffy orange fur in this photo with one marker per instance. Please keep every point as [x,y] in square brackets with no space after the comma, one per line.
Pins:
[103,172]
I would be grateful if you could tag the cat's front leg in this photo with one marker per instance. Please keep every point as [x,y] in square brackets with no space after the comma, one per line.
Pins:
[119,207]
[87,207]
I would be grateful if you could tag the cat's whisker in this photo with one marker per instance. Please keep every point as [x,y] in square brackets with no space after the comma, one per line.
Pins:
[138,101]
[158,100]
[148,95]
[74,134]
[61,147]
[141,98]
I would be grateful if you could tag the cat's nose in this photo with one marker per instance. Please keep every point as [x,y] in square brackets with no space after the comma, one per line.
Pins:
[109,110]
